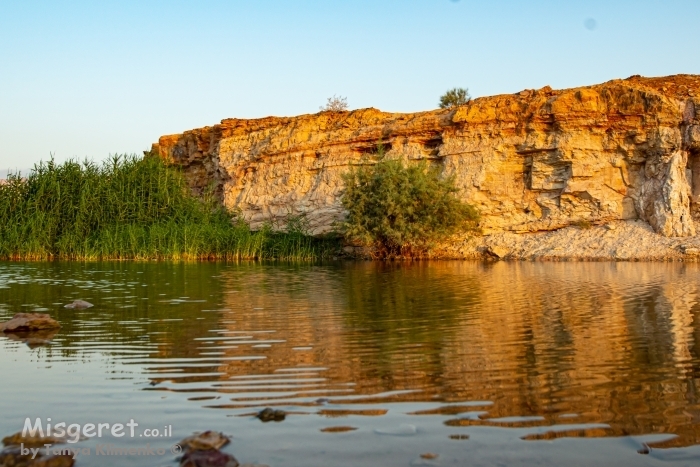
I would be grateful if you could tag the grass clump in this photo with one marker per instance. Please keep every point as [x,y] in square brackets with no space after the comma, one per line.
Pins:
[131,208]
[402,210]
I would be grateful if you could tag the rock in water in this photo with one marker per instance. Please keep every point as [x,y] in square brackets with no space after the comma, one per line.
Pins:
[12,457]
[205,441]
[27,322]
[63,460]
[79,305]
[270,415]
[30,441]
[211,458]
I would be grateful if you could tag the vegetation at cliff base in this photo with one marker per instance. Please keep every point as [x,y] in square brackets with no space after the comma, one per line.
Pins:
[454,97]
[131,208]
[403,210]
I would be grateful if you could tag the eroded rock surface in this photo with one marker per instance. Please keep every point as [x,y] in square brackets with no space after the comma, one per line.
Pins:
[537,160]
[205,441]
[28,322]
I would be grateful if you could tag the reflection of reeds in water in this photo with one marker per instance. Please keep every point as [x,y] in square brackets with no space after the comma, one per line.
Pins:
[129,208]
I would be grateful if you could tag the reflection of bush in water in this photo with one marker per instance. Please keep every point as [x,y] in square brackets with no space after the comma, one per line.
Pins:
[393,305]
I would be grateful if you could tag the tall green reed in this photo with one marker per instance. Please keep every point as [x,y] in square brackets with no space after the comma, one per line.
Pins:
[132,208]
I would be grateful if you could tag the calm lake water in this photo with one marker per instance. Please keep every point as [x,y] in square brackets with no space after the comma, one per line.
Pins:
[483,364]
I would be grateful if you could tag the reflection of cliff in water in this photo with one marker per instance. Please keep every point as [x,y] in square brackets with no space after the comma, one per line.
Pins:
[611,343]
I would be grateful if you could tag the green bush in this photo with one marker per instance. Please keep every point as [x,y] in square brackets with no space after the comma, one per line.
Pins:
[402,210]
[454,97]
[130,208]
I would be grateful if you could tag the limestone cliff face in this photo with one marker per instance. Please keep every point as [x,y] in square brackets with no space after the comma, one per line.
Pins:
[532,161]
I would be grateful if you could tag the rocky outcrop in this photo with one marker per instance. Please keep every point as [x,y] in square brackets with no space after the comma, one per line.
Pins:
[28,322]
[537,160]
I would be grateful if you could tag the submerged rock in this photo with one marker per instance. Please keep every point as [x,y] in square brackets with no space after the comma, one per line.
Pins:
[208,440]
[210,458]
[79,305]
[12,457]
[271,415]
[30,441]
[62,460]
[202,450]
[27,322]
[337,429]
[402,430]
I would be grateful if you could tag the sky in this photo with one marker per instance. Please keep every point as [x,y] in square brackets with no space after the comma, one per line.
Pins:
[86,79]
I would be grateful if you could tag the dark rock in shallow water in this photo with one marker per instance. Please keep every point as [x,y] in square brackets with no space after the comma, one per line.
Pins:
[79,305]
[270,415]
[210,458]
[28,322]
[63,460]
[12,457]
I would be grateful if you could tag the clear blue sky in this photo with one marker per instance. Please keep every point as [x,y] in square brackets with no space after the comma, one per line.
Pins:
[89,78]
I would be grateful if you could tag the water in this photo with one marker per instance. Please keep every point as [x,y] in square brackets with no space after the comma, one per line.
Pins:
[483,364]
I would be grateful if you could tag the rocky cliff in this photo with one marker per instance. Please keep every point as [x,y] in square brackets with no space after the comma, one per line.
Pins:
[534,161]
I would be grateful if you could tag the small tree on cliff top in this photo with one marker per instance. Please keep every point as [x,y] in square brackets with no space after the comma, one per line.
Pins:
[402,210]
[454,97]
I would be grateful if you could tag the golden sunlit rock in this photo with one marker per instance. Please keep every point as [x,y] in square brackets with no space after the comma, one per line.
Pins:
[537,160]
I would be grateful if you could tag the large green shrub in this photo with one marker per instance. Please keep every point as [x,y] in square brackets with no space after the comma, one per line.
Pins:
[402,210]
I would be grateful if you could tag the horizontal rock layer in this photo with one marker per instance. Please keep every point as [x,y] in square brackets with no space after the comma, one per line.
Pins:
[532,161]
